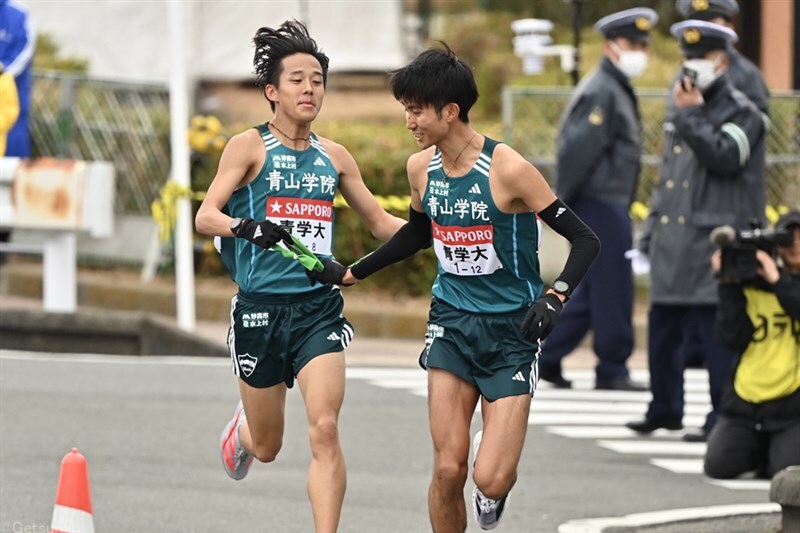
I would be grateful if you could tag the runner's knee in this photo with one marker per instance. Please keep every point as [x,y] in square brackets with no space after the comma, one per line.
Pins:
[450,471]
[324,435]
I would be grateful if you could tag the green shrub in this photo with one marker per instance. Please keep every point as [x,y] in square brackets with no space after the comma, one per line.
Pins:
[48,56]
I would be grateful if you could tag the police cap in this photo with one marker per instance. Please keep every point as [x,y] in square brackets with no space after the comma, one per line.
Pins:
[707,9]
[634,24]
[698,37]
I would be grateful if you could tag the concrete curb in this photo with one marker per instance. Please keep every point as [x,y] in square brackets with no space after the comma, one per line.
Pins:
[100,331]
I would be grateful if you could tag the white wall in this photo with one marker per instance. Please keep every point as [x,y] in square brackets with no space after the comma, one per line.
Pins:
[127,39]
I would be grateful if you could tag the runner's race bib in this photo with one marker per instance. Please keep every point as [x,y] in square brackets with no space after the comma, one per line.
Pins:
[466,251]
[309,220]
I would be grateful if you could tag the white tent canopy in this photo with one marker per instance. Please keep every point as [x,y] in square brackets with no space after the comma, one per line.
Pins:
[128,39]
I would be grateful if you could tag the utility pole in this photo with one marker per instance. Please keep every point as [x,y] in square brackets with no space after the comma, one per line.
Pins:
[576,40]
[180,172]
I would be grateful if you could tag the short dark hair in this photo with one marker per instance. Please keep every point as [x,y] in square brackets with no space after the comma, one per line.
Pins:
[272,45]
[436,77]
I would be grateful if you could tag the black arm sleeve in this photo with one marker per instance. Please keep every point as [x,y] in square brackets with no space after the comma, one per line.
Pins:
[409,239]
[585,244]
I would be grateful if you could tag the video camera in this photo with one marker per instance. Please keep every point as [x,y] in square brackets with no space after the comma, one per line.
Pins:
[739,248]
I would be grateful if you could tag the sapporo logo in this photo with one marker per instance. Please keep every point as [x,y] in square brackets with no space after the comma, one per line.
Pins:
[247,363]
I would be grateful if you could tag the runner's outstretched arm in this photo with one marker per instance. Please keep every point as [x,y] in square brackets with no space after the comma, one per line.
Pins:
[413,236]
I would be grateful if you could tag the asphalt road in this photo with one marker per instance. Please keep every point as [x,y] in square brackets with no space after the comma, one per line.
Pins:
[149,428]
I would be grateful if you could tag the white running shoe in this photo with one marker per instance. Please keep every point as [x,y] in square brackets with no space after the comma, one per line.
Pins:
[235,458]
[487,511]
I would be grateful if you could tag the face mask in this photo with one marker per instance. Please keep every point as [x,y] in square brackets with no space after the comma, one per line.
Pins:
[705,69]
[632,63]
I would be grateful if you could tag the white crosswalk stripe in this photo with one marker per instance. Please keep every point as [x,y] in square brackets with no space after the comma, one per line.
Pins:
[654,447]
[588,414]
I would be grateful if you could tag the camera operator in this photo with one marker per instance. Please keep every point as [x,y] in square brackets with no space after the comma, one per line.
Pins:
[759,424]
[711,174]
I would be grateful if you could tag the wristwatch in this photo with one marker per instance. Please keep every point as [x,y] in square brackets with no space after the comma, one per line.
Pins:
[236,224]
[562,287]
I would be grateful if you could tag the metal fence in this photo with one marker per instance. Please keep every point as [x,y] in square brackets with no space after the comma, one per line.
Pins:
[124,123]
[531,117]
[128,124]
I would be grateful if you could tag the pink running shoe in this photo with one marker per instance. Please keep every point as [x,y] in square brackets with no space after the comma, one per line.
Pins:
[235,458]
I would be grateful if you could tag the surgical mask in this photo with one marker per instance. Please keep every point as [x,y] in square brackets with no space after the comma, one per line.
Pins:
[705,70]
[632,63]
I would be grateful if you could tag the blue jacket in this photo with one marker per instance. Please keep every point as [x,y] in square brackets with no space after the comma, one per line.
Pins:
[17,46]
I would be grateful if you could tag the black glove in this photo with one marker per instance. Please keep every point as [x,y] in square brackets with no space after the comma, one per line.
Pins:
[542,317]
[332,274]
[264,233]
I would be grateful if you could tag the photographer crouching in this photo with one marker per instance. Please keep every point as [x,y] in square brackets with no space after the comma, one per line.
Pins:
[759,318]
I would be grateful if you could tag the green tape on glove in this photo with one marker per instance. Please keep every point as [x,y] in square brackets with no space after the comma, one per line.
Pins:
[297,250]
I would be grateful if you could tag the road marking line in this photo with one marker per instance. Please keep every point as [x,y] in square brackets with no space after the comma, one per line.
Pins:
[610,396]
[605,432]
[742,484]
[596,419]
[545,405]
[598,525]
[680,466]
[655,447]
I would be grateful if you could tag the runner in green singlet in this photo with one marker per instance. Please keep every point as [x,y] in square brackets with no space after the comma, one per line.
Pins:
[477,199]
[276,181]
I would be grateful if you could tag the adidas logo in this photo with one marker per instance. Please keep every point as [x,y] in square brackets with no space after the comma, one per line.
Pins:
[334,337]
[518,377]
[257,232]
[475,189]
[560,211]
[318,162]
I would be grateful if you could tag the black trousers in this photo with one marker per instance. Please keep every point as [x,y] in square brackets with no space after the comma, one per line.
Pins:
[669,326]
[740,445]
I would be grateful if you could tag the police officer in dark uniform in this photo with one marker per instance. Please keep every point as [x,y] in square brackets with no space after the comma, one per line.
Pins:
[742,73]
[712,175]
[599,149]
[746,77]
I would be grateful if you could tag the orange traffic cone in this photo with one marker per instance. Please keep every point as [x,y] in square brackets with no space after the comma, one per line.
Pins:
[73,510]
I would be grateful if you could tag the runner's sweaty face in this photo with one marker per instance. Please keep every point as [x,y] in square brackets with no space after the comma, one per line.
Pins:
[300,89]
